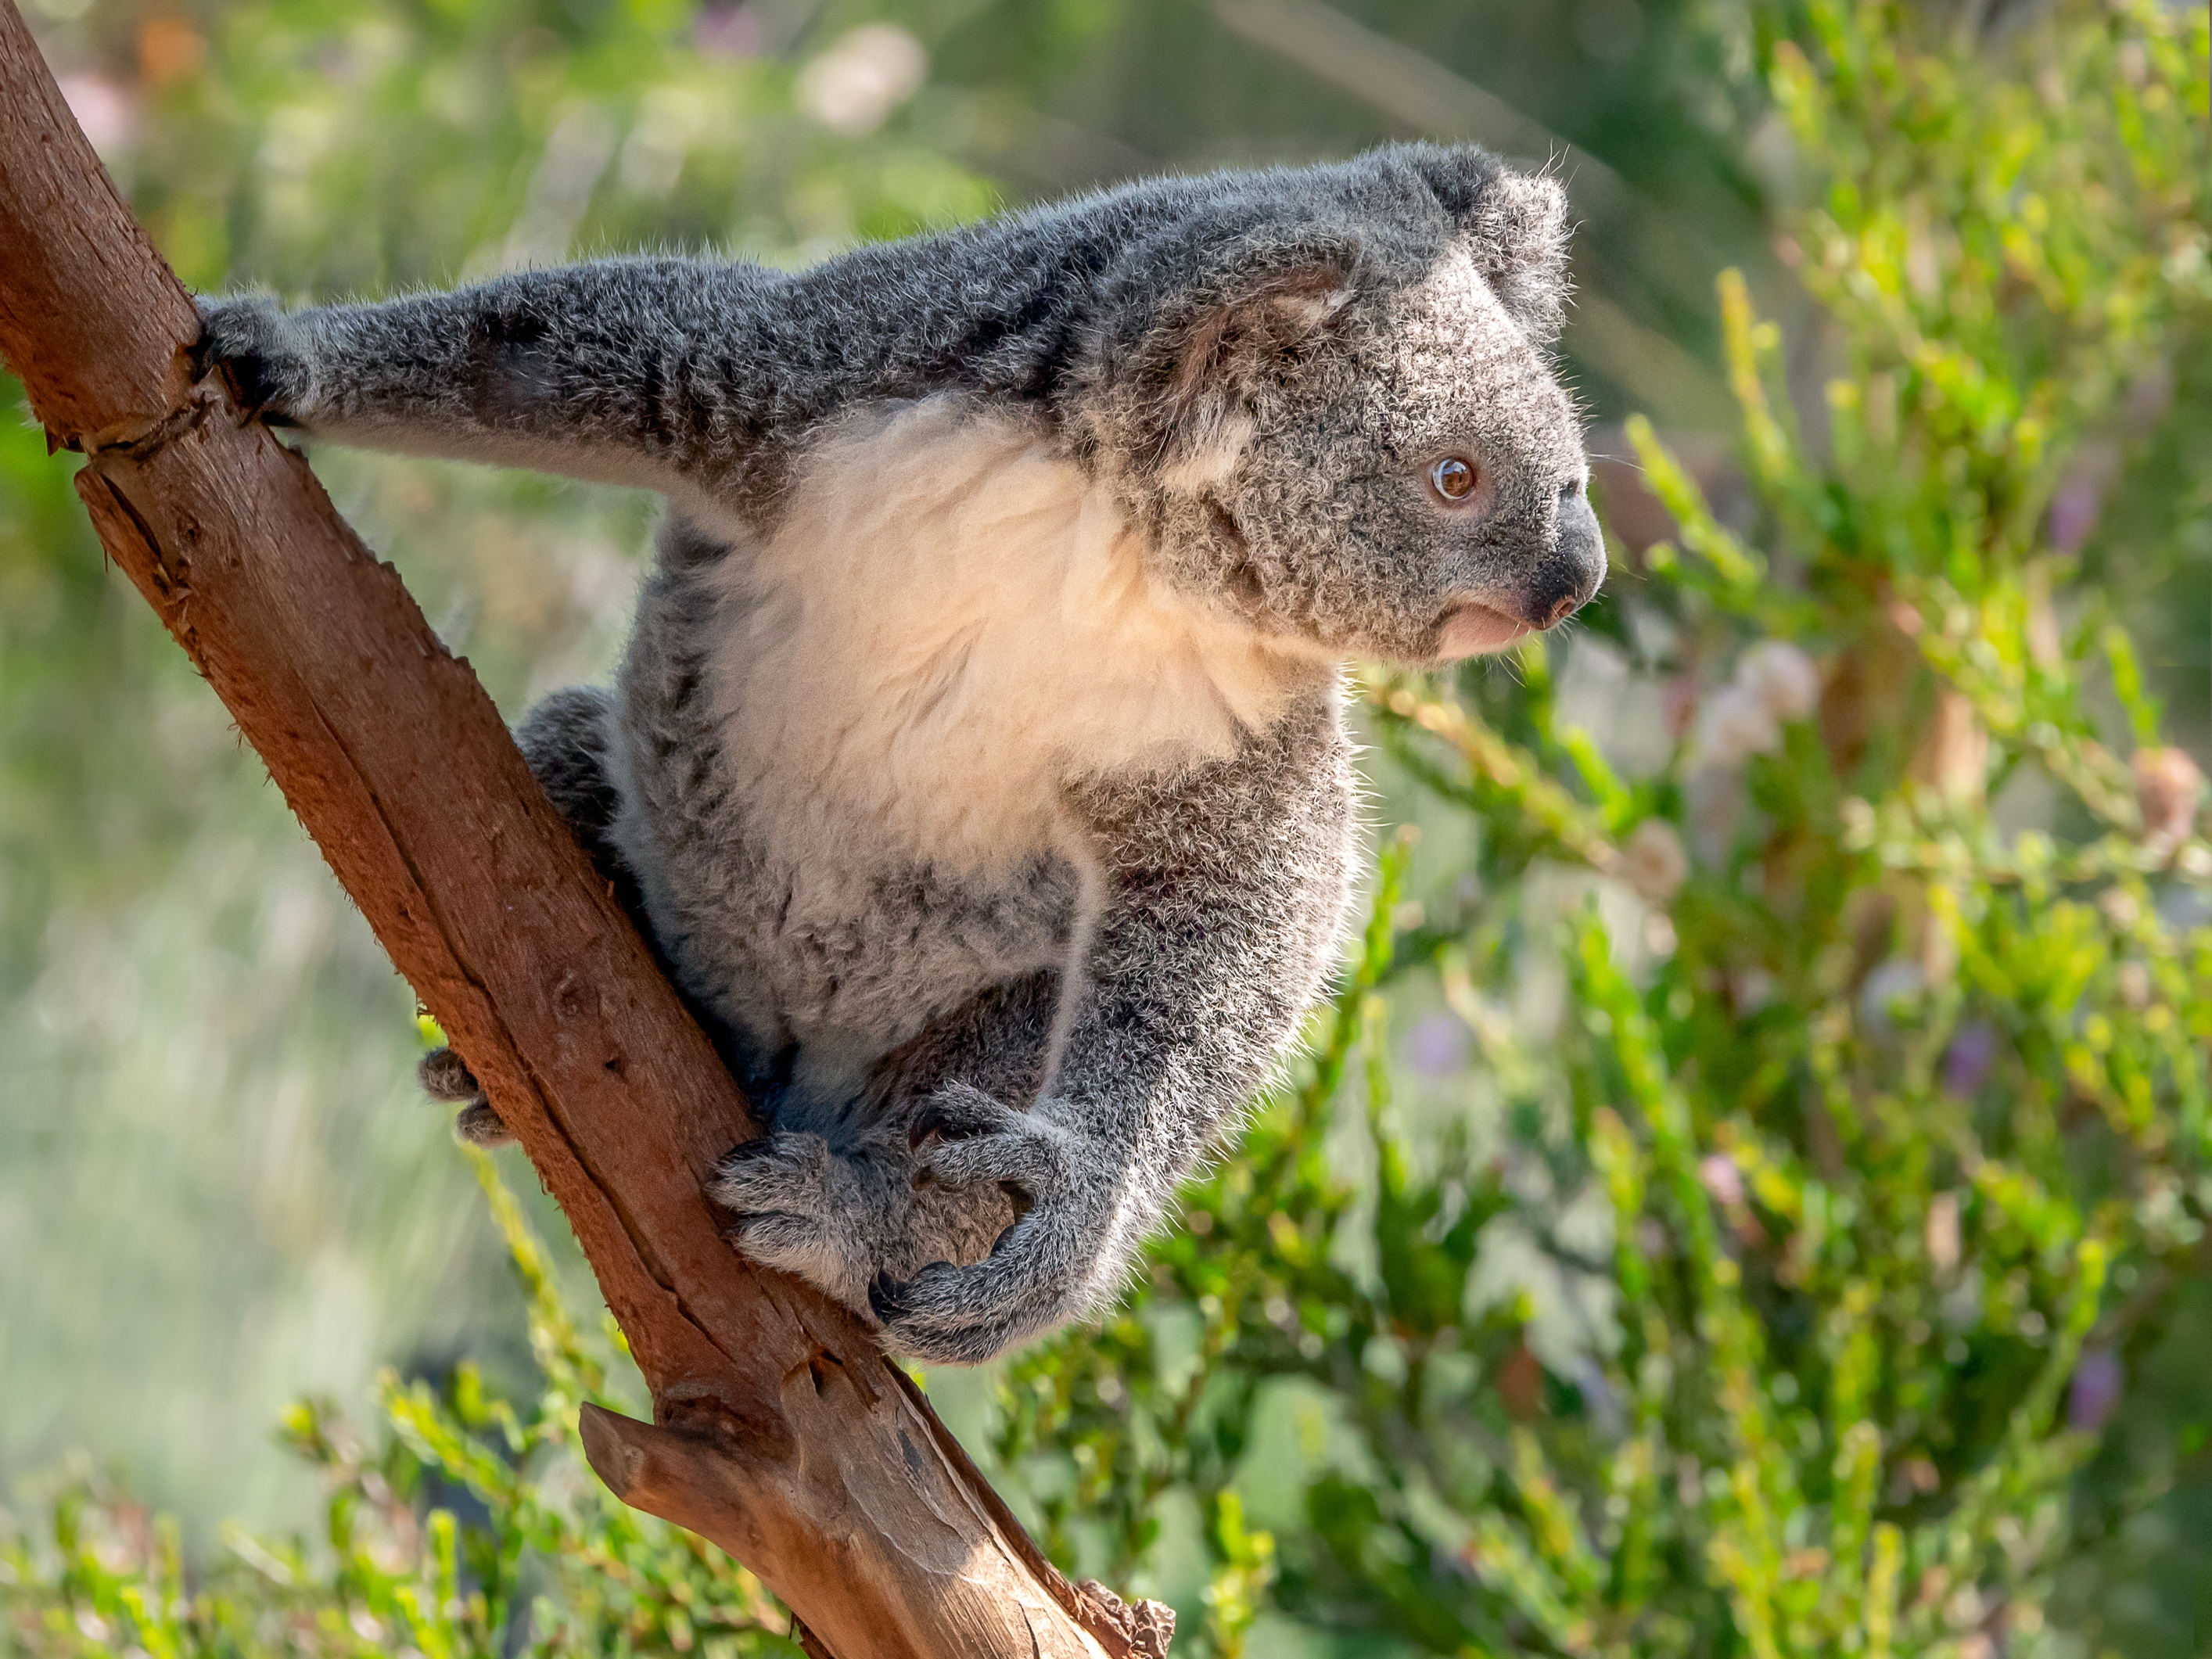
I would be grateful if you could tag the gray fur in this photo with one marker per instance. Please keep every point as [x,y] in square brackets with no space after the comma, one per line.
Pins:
[989,1052]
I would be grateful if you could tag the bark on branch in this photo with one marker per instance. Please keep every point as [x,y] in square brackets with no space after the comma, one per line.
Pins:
[783,1435]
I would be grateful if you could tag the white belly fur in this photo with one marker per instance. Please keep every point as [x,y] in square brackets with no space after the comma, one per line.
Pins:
[950,625]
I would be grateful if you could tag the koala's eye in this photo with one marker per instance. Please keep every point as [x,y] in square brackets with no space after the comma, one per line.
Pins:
[1453,478]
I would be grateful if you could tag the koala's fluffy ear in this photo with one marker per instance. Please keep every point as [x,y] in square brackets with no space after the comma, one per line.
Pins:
[1518,223]
[1249,317]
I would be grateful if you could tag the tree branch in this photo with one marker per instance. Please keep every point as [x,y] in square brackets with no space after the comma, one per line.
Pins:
[784,1435]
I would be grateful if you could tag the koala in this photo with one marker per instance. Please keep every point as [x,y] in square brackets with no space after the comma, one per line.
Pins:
[977,765]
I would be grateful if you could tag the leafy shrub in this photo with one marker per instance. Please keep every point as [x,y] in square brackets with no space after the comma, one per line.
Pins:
[470,1529]
[1885,1019]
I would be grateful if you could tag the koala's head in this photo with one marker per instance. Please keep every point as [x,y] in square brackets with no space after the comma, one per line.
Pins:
[1342,416]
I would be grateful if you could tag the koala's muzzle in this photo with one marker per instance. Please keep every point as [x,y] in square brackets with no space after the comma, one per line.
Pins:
[1570,576]
[1563,569]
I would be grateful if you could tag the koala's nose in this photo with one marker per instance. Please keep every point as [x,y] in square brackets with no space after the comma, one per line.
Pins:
[1571,575]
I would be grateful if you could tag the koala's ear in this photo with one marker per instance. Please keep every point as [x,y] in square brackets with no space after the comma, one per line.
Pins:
[1248,319]
[1517,225]
[1520,230]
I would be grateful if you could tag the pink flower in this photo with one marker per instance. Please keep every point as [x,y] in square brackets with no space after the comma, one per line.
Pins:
[2167,787]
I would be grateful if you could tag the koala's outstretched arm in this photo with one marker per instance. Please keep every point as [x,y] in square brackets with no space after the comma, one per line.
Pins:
[1222,895]
[664,371]
[628,371]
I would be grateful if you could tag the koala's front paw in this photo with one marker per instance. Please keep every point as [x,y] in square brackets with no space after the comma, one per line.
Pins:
[258,348]
[445,1076]
[1043,1270]
[798,1209]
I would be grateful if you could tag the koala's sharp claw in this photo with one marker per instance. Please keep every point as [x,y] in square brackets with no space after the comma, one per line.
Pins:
[886,1297]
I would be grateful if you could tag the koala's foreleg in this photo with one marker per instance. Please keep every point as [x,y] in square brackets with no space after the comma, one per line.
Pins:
[1222,896]
[624,370]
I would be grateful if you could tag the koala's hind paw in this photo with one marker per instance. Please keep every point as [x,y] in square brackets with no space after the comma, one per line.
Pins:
[480,1126]
[445,1076]
[251,340]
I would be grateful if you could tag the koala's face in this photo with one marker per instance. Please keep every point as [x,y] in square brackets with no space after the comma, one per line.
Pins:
[1395,470]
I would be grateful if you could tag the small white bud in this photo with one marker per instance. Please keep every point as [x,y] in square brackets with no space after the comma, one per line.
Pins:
[1735,725]
[1653,861]
[1783,677]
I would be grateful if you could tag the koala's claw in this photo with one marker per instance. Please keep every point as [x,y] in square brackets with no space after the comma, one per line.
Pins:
[886,1299]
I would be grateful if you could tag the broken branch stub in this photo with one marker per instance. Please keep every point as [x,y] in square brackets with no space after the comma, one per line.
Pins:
[785,1436]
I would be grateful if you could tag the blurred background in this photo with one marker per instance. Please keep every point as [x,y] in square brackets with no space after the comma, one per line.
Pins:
[219,1187]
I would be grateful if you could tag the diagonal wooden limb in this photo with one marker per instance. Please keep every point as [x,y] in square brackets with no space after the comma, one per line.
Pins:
[786,1436]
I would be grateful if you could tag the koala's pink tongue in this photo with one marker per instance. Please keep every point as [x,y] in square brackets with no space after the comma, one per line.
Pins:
[1473,630]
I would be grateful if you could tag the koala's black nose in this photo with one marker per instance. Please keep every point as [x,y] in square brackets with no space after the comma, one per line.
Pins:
[1571,574]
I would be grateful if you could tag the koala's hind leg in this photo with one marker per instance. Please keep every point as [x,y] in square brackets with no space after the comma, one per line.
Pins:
[563,739]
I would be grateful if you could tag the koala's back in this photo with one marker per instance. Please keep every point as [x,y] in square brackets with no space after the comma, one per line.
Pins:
[846,743]
[1006,311]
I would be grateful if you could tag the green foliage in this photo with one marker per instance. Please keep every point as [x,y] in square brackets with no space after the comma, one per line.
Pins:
[471,1530]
